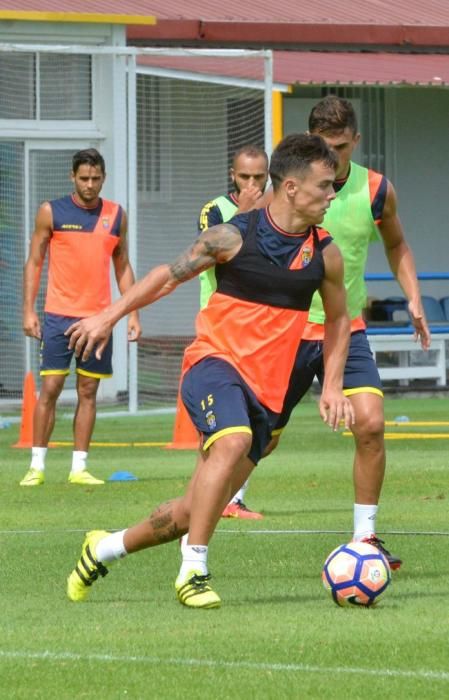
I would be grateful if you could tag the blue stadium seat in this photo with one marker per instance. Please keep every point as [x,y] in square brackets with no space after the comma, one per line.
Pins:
[433,309]
[444,301]
[399,309]
[389,309]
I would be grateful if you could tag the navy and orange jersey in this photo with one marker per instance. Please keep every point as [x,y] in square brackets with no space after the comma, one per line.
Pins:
[378,185]
[81,246]
[212,213]
[256,317]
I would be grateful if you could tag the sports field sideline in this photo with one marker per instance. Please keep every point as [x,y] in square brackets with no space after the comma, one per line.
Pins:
[277,634]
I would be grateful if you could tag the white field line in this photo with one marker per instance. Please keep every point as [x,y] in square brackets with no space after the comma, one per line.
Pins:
[213,663]
[404,533]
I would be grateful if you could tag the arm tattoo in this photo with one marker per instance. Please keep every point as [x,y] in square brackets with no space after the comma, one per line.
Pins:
[186,267]
[214,245]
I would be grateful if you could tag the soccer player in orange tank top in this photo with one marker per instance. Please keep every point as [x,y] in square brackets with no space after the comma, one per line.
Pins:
[82,233]
[268,263]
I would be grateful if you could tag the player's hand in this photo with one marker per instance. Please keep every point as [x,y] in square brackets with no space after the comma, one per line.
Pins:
[335,408]
[31,325]
[134,327]
[418,319]
[89,334]
[248,198]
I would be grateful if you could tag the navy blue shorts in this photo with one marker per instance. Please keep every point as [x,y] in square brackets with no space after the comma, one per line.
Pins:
[55,356]
[361,373]
[219,402]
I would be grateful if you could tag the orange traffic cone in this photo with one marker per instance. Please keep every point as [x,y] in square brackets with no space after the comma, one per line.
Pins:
[28,404]
[185,435]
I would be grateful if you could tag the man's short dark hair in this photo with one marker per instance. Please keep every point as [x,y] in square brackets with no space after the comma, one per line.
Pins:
[89,156]
[332,115]
[251,150]
[295,154]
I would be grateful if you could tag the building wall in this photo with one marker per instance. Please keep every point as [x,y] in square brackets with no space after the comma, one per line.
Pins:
[43,139]
[20,32]
[417,164]
[416,138]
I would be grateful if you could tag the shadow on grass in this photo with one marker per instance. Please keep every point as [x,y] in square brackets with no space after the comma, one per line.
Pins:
[277,599]
[286,514]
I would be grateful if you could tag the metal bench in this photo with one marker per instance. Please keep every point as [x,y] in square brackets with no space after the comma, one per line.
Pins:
[400,340]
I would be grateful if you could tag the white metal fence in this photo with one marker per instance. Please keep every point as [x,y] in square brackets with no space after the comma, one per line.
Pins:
[168,122]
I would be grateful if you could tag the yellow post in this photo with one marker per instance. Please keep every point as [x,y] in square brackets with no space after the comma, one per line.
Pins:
[278,117]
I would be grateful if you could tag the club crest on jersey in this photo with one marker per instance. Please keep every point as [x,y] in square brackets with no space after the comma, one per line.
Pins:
[210,420]
[306,255]
[105,222]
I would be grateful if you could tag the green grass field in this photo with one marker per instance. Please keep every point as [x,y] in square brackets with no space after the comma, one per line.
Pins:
[277,635]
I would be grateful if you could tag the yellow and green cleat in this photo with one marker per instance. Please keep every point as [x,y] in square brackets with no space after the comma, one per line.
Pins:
[33,477]
[194,591]
[88,568]
[84,478]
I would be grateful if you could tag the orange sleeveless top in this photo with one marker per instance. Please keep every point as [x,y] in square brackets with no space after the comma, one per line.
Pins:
[256,317]
[79,259]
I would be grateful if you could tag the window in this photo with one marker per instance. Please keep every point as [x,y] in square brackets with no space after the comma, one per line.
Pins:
[40,86]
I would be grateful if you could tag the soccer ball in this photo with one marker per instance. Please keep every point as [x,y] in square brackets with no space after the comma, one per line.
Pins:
[356,574]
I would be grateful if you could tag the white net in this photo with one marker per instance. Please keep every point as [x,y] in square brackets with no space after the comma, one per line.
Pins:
[182,117]
[42,96]
[188,131]
[12,356]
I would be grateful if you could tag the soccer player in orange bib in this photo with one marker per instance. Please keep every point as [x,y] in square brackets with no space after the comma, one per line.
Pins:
[268,264]
[82,233]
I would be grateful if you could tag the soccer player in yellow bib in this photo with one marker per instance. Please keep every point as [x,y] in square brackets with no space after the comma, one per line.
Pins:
[249,175]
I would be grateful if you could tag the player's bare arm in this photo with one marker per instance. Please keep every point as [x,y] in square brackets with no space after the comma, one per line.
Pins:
[33,267]
[215,245]
[334,406]
[402,265]
[125,277]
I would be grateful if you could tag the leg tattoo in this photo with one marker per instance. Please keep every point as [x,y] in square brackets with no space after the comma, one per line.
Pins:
[163,525]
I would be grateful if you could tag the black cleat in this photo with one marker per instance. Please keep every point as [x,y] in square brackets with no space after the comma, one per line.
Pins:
[394,562]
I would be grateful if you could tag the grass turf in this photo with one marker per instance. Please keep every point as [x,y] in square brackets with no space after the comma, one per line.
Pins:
[278,634]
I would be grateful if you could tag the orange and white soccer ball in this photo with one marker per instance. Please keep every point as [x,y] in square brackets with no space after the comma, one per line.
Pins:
[356,574]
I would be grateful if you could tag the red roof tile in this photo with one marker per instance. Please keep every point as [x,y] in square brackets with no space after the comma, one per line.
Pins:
[319,68]
[317,22]
[383,12]
[360,68]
